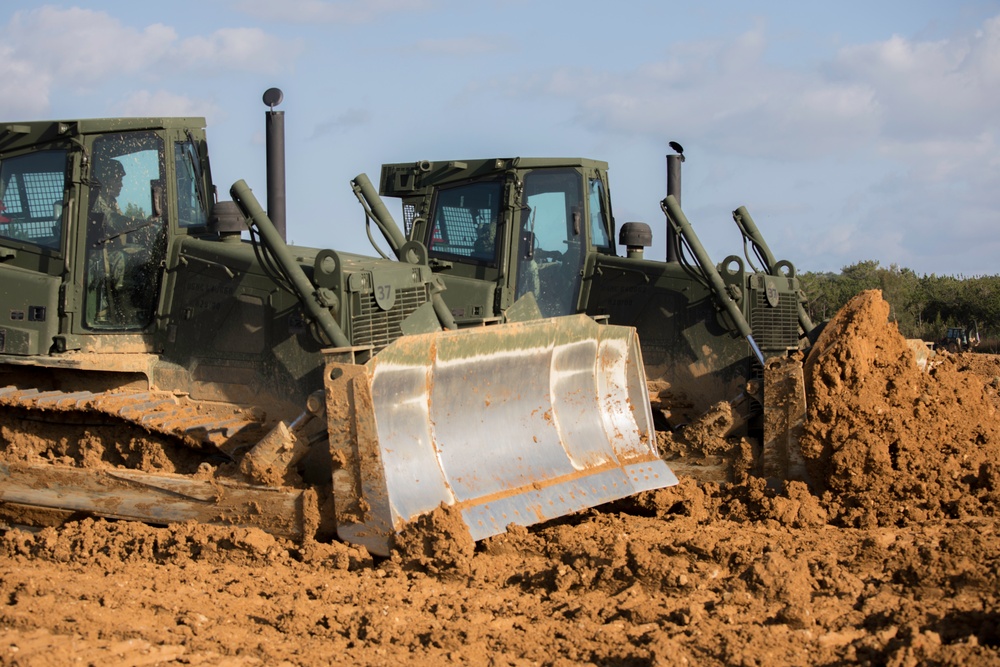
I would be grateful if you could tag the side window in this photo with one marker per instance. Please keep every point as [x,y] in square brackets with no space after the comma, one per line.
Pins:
[598,216]
[191,210]
[126,235]
[465,220]
[550,256]
[32,191]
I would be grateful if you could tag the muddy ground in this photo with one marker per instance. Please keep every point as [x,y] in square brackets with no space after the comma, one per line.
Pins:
[891,559]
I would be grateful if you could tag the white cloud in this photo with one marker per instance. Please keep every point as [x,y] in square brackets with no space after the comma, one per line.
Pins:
[728,95]
[934,89]
[900,137]
[351,118]
[80,46]
[235,49]
[81,50]
[462,46]
[24,90]
[320,11]
[718,93]
[161,103]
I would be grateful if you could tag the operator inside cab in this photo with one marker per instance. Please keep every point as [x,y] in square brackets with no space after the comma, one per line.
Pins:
[124,247]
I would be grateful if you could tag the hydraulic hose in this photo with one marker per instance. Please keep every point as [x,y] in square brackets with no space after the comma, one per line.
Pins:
[680,223]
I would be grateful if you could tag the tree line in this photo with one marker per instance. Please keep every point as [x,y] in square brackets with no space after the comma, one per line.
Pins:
[922,306]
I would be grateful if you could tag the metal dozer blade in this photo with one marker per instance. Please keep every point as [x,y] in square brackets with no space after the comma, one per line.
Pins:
[515,423]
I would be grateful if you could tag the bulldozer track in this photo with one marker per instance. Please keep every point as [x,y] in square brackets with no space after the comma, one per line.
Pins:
[224,427]
[134,455]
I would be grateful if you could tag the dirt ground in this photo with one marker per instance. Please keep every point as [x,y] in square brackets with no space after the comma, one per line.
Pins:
[891,558]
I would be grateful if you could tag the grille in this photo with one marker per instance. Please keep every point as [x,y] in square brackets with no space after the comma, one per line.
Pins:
[376,327]
[29,208]
[455,232]
[37,194]
[409,215]
[774,328]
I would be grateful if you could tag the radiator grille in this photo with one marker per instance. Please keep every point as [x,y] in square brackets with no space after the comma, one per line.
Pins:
[376,327]
[774,328]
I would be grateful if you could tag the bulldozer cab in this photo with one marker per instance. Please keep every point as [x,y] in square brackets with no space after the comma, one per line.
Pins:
[517,226]
[32,245]
[959,339]
[88,207]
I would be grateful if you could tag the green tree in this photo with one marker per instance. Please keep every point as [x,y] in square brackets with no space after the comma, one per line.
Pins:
[136,212]
[923,306]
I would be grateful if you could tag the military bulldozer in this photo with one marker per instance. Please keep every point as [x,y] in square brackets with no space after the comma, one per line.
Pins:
[959,339]
[307,392]
[507,235]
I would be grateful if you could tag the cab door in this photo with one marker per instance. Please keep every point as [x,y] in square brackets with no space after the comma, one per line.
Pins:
[551,248]
[125,235]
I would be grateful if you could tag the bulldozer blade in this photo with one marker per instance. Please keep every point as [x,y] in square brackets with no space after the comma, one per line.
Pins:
[515,423]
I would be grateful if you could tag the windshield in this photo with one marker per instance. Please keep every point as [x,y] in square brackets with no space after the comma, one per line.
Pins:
[465,222]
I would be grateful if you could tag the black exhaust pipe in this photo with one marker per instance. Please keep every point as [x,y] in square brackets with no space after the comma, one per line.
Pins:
[275,139]
[674,188]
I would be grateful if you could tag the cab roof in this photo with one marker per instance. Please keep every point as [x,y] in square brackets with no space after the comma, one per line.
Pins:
[22,134]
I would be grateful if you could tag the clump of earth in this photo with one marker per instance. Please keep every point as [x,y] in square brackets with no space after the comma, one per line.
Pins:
[889,555]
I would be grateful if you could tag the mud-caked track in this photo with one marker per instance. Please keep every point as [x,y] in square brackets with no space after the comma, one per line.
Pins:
[892,558]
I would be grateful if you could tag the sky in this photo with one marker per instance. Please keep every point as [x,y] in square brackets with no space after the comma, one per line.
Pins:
[851,130]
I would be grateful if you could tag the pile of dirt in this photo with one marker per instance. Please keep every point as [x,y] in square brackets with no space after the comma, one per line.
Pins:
[893,558]
[892,444]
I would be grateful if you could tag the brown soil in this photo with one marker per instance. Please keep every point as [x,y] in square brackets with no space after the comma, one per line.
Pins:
[892,558]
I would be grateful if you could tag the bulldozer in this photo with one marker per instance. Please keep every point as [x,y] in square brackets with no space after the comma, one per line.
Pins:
[959,339]
[307,392]
[507,235]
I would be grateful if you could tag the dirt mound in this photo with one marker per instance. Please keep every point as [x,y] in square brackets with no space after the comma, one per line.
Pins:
[890,443]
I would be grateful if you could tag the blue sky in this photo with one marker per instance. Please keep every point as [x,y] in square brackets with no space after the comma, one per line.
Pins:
[850,130]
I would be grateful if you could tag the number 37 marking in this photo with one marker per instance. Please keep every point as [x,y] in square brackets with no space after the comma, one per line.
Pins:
[385,296]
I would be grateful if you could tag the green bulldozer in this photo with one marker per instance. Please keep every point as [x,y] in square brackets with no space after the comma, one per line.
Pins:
[959,339]
[515,238]
[501,359]
[307,392]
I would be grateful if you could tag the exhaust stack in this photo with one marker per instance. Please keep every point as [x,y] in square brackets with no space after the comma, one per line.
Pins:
[674,188]
[275,140]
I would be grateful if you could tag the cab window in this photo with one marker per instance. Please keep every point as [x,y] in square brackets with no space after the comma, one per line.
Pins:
[191,210]
[126,235]
[598,216]
[465,220]
[550,256]
[32,192]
